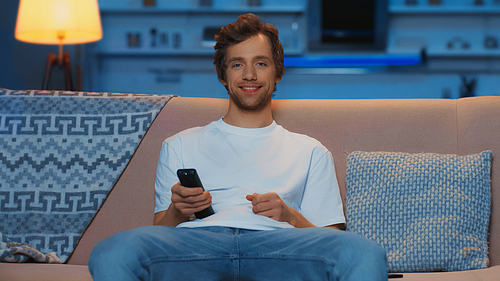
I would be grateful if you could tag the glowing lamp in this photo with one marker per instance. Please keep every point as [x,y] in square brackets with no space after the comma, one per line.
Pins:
[58,22]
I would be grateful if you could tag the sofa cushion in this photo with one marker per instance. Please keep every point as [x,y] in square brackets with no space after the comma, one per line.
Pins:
[60,154]
[429,211]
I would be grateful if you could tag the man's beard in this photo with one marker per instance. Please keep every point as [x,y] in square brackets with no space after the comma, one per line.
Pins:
[251,105]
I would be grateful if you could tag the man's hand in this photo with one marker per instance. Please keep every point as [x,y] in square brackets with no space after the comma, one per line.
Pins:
[272,206]
[269,205]
[189,200]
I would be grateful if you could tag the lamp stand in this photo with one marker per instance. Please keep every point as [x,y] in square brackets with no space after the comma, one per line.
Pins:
[53,60]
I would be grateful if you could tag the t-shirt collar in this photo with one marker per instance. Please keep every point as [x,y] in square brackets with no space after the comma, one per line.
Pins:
[253,132]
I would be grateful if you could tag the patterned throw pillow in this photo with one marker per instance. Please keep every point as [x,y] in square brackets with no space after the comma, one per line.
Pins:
[429,211]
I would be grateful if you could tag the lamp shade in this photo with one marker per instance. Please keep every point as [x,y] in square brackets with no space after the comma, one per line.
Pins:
[58,21]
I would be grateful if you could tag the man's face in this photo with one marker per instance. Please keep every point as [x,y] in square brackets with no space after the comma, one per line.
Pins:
[250,74]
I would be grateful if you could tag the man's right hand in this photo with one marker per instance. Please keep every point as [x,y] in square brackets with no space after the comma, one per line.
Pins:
[189,200]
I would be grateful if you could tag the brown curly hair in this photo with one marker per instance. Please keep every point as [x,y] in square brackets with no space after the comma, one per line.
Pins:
[246,26]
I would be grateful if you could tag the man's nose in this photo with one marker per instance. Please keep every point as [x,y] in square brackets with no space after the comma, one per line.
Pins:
[249,73]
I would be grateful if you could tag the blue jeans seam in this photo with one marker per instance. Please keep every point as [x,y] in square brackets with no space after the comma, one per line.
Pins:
[292,257]
[188,258]
[236,250]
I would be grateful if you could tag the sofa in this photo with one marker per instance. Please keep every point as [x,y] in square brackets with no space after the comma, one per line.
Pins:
[463,126]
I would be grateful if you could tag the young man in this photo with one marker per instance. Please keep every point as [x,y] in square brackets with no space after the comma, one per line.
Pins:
[275,195]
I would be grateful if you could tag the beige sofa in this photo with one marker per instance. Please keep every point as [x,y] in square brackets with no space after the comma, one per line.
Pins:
[463,126]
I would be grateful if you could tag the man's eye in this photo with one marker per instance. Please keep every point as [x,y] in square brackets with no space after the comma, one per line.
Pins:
[261,64]
[237,65]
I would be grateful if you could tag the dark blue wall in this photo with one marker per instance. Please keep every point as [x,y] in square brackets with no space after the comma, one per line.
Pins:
[109,66]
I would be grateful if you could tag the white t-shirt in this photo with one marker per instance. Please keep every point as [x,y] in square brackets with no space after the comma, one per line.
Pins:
[233,162]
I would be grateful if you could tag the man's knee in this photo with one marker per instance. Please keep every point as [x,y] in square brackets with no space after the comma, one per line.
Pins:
[355,257]
[362,248]
[372,251]
[123,247]
[351,246]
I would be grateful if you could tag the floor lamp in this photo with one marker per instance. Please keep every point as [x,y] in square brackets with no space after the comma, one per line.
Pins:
[58,22]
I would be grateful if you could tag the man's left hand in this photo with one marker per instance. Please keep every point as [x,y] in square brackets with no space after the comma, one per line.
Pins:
[270,205]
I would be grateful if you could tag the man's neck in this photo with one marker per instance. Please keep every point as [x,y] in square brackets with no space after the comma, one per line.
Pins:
[248,119]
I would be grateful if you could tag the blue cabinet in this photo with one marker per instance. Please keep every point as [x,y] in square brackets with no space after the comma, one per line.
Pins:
[168,48]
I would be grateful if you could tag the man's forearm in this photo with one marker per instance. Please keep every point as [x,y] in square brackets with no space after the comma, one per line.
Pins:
[171,217]
[298,220]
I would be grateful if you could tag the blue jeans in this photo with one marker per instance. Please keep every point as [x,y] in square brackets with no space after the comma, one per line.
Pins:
[222,253]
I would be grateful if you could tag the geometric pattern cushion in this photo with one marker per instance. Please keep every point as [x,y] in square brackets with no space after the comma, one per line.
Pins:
[429,211]
[60,154]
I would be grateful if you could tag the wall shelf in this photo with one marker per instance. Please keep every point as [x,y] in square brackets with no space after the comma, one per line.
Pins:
[230,10]
[350,61]
[465,54]
[149,53]
[444,10]
[180,59]
[172,53]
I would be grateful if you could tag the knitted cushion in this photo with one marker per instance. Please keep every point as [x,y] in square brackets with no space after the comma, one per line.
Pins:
[429,211]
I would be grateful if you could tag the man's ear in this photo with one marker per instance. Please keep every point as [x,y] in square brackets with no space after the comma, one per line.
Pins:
[277,79]
[223,82]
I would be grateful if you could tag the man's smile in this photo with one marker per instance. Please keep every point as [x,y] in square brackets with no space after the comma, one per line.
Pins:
[250,89]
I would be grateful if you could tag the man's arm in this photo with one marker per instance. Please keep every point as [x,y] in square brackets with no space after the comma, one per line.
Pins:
[321,199]
[185,202]
[335,226]
[272,206]
[170,217]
